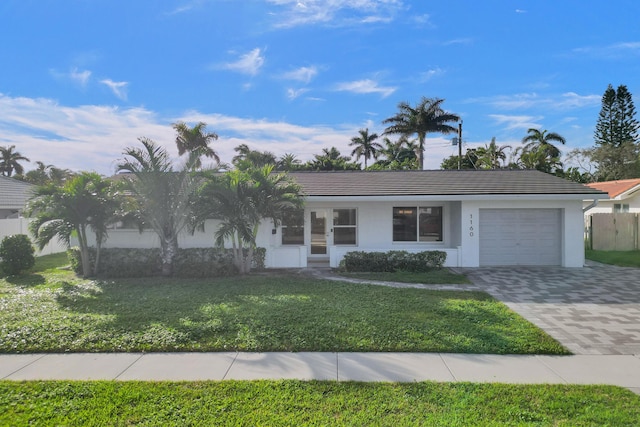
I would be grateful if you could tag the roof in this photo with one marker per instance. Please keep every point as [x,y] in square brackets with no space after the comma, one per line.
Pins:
[439,183]
[615,188]
[13,193]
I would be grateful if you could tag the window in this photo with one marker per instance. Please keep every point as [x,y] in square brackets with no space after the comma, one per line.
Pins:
[620,208]
[344,226]
[417,224]
[293,227]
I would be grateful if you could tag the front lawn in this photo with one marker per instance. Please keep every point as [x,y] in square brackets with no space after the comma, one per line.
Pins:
[619,258]
[441,276]
[296,403]
[53,311]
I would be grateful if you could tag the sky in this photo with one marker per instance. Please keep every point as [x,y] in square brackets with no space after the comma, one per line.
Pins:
[81,80]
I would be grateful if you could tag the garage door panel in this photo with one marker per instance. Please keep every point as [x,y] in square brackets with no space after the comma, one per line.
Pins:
[520,237]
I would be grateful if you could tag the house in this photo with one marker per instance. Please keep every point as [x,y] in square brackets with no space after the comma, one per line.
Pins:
[624,196]
[479,218]
[13,197]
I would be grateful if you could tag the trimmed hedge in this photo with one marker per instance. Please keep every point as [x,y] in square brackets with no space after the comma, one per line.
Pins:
[393,261]
[191,262]
[16,254]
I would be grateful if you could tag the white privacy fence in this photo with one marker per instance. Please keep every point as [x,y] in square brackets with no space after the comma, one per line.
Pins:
[12,226]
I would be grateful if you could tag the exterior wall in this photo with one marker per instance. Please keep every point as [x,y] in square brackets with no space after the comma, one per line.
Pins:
[572,228]
[606,206]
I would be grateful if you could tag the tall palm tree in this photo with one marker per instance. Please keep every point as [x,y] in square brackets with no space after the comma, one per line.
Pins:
[365,145]
[248,158]
[195,139]
[10,161]
[491,156]
[161,196]
[426,117]
[85,201]
[543,139]
[288,162]
[241,199]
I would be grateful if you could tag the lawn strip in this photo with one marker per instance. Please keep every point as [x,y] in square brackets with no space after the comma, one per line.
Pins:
[313,403]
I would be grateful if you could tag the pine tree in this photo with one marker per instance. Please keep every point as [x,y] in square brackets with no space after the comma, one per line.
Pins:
[606,119]
[627,131]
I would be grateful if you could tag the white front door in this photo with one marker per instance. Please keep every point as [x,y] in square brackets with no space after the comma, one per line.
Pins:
[319,233]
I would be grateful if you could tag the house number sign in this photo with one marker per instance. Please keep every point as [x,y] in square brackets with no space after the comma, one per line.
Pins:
[471,225]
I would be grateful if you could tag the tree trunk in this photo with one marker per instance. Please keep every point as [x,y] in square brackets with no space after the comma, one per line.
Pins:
[97,261]
[84,251]
[168,251]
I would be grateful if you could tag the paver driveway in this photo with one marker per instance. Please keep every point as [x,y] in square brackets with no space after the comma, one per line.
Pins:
[590,310]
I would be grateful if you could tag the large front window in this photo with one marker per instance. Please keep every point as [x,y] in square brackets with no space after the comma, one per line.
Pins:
[293,228]
[344,226]
[417,224]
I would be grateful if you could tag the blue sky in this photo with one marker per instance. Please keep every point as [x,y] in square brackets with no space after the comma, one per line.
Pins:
[83,79]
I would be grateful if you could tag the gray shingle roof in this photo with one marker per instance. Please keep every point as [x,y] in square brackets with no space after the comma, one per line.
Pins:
[13,193]
[438,183]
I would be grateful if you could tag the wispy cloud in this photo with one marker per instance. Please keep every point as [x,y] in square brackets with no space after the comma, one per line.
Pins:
[292,13]
[295,93]
[302,74]
[185,7]
[612,51]
[365,86]
[119,89]
[521,11]
[460,41]
[424,20]
[523,101]
[81,77]
[429,74]
[517,122]
[248,63]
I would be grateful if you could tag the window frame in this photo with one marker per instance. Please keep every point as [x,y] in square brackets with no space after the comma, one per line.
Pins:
[620,208]
[414,230]
[284,227]
[353,226]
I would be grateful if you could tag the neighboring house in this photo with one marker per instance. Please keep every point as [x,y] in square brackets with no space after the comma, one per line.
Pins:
[13,197]
[624,196]
[479,218]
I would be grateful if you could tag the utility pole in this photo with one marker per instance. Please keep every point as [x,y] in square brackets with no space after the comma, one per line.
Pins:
[460,145]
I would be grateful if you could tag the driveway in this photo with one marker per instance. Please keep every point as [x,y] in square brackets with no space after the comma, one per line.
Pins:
[590,310]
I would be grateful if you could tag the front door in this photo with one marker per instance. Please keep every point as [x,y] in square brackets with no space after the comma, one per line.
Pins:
[319,226]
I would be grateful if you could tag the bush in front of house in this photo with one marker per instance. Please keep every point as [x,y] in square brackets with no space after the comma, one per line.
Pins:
[393,261]
[16,254]
[189,262]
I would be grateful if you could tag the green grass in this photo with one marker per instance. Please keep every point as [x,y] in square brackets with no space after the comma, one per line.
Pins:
[441,276]
[288,403]
[620,258]
[54,311]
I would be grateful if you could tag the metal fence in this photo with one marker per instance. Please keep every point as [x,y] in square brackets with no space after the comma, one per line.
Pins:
[613,231]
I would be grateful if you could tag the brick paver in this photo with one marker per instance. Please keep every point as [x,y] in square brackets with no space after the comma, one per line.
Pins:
[590,310]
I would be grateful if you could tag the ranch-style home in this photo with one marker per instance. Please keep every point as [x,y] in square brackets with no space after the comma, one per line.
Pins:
[479,218]
[13,197]
[624,196]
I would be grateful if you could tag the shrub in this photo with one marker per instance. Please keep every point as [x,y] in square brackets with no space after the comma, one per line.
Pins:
[17,254]
[191,262]
[393,261]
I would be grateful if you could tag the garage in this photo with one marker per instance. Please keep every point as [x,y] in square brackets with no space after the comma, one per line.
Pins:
[520,237]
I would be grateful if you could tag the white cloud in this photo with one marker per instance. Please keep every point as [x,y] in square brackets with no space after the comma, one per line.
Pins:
[365,86]
[612,51]
[119,89]
[429,74]
[294,93]
[521,101]
[248,63]
[521,11]
[460,41]
[517,122]
[302,74]
[292,13]
[81,77]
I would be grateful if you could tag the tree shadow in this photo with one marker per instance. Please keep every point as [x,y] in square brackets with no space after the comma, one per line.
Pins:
[26,280]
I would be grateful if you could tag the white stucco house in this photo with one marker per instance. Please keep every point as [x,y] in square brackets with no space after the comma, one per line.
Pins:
[479,218]
[13,197]
[623,196]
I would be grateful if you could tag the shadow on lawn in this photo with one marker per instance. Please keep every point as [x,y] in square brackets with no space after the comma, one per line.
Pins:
[291,314]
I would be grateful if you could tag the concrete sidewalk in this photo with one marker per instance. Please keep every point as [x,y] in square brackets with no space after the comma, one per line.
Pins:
[620,370]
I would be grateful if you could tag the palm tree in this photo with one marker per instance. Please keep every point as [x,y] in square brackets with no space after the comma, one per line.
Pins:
[536,139]
[161,196]
[365,146]
[85,201]
[10,161]
[397,155]
[288,162]
[331,159]
[248,158]
[195,140]
[241,199]
[427,116]
[537,158]
[491,156]
[44,174]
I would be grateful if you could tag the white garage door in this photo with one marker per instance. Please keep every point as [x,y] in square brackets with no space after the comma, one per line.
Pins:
[520,237]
